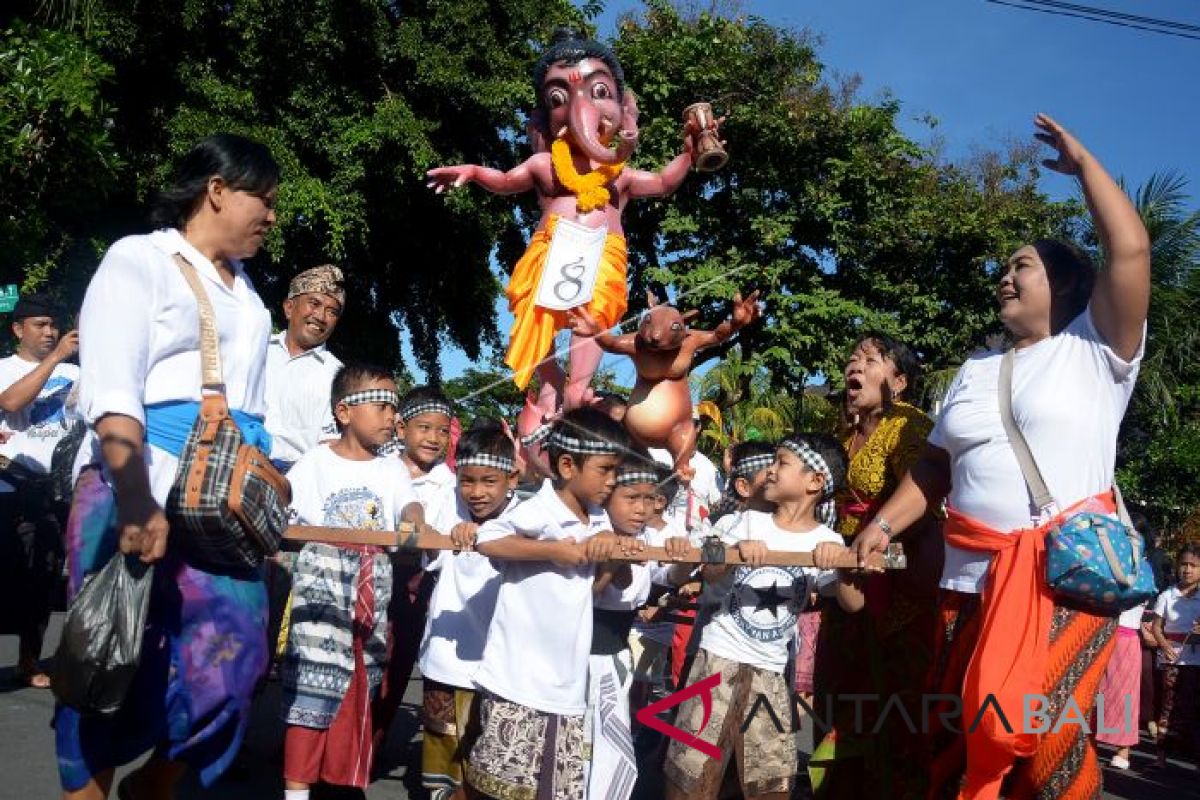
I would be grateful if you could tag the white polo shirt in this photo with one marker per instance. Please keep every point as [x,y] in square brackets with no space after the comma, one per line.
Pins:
[541,632]
[299,414]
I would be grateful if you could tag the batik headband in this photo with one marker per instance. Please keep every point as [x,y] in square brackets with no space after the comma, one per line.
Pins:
[325,279]
[633,477]
[827,508]
[371,396]
[419,407]
[502,463]
[750,465]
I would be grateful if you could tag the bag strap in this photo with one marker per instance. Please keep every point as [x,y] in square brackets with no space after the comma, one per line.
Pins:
[210,340]
[1029,468]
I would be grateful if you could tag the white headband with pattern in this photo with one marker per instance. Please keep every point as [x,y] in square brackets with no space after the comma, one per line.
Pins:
[634,477]
[502,463]
[419,407]
[827,508]
[371,396]
[750,465]
[572,444]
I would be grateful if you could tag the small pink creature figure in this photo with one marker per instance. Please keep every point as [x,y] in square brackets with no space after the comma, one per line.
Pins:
[660,408]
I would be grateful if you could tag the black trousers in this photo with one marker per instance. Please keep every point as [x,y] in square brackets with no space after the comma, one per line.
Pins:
[31,561]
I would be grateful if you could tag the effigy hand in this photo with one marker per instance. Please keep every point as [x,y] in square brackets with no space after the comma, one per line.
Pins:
[442,179]
[583,324]
[745,310]
[1071,153]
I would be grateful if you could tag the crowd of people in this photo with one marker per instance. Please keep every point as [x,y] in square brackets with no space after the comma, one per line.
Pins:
[542,634]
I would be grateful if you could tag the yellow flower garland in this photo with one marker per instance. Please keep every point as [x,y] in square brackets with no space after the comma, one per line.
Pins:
[590,190]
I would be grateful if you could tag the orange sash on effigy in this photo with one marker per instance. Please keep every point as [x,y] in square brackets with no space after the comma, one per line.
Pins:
[533,331]
[1009,662]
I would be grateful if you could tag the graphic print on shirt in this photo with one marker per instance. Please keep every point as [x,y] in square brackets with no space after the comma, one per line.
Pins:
[47,414]
[354,508]
[765,601]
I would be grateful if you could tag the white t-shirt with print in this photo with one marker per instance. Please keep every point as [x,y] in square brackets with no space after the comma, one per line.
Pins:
[541,632]
[757,617]
[460,609]
[38,427]
[340,493]
[1179,614]
[1070,392]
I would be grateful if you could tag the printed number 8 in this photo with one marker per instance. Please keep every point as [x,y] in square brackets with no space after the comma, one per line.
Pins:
[571,274]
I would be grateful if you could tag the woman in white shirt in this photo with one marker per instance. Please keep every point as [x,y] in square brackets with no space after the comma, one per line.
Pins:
[1079,337]
[205,643]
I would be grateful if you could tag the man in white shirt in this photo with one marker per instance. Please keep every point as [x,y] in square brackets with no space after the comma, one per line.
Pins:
[300,369]
[34,384]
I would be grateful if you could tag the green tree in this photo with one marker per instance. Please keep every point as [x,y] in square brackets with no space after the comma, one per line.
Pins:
[1160,439]
[843,222]
[58,157]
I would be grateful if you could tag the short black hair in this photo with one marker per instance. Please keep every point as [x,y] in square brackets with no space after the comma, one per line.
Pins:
[589,426]
[1189,549]
[486,436]
[668,483]
[831,450]
[37,304]
[568,46]
[352,377]
[900,354]
[244,165]
[1142,525]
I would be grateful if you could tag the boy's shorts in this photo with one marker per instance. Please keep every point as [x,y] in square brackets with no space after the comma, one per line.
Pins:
[767,752]
[525,754]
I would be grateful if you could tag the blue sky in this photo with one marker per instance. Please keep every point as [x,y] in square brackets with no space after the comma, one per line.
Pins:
[984,69]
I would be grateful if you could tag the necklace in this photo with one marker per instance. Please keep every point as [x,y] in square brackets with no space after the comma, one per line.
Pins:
[590,190]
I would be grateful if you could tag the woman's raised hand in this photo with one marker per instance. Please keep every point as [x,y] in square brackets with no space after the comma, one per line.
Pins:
[1071,153]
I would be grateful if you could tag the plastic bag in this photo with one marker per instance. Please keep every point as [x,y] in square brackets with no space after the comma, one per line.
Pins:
[102,637]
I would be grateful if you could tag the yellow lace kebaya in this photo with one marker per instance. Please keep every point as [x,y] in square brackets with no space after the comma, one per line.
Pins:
[590,190]
[876,469]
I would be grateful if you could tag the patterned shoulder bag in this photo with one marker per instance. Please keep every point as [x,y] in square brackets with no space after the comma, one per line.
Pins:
[228,501]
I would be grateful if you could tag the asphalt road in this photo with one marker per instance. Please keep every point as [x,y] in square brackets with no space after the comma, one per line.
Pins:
[28,770]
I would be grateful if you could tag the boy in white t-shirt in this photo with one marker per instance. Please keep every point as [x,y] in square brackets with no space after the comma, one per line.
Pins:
[1176,628]
[423,424]
[534,668]
[460,609]
[619,591]
[747,640]
[340,592]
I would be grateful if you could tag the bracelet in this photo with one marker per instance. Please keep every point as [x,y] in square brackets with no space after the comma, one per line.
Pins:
[886,527]
[124,441]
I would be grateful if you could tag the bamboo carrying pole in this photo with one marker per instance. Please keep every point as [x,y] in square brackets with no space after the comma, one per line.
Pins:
[713,552]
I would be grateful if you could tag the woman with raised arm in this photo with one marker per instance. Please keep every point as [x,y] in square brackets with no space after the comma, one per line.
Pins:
[1078,336]
[205,642]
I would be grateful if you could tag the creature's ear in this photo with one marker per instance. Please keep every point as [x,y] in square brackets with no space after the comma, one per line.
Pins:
[629,106]
[651,299]
[538,132]
[688,316]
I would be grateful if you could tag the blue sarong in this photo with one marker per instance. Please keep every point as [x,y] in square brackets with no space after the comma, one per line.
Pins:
[205,645]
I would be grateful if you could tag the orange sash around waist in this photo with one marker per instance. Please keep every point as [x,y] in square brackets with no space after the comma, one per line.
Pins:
[534,328]
[1009,662]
